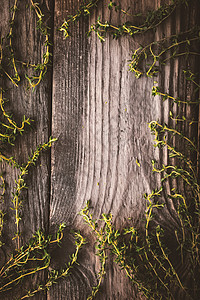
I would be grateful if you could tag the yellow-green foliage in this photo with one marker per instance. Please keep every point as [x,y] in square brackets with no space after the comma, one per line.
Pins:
[144,255]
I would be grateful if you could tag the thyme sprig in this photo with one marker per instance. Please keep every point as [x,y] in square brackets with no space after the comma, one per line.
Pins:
[84,10]
[147,258]
[55,275]
[11,128]
[145,255]
[157,51]
[21,185]
[34,258]
[9,131]
[34,80]
[101,248]
[15,80]
[151,259]
[156,91]
[152,20]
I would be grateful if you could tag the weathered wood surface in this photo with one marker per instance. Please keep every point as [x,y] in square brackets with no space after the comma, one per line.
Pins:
[101,133]
[111,131]
[99,112]
[28,47]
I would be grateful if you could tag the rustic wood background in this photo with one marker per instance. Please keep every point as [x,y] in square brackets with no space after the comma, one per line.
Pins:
[99,112]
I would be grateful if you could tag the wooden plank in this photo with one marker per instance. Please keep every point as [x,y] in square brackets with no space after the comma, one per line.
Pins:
[28,47]
[173,81]
[100,115]
[69,92]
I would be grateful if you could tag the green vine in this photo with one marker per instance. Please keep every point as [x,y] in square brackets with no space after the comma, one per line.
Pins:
[33,258]
[20,183]
[157,51]
[152,20]
[84,10]
[146,257]
[40,68]
[144,254]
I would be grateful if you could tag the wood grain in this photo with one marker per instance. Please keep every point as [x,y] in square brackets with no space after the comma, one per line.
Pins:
[28,47]
[99,112]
